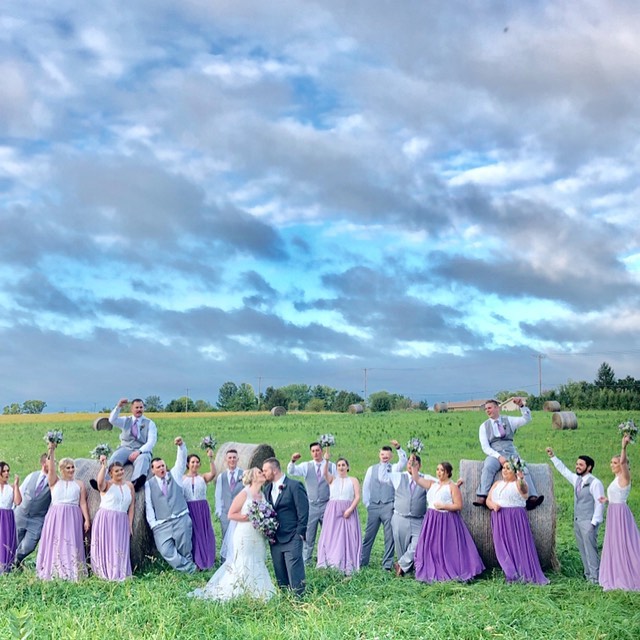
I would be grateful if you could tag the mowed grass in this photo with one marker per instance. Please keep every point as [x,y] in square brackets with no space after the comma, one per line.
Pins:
[371,604]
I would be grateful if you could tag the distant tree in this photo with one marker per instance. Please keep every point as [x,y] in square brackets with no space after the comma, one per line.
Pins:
[244,398]
[323,392]
[315,405]
[380,401]
[153,404]
[33,406]
[226,394]
[297,393]
[203,405]
[501,396]
[12,409]
[180,405]
[423,405]
[606,378]
[344,399]
[274,397]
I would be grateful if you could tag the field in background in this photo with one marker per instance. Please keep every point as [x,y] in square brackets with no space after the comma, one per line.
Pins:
[372,604]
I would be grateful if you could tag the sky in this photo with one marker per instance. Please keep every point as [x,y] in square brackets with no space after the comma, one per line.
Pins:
[436,199]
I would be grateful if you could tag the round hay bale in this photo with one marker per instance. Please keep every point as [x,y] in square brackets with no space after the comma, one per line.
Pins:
[356,408]
[143,547]
[249,455]
[551,405]
[102,424]
[542,519]
[278,411]
[564,420]
[441,407]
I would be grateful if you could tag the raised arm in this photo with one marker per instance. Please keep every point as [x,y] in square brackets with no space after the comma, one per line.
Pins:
[402,457]
[52,476]
[17,496]
[327,476]
[211,474]
[102,485]
[625,474]
[422,481]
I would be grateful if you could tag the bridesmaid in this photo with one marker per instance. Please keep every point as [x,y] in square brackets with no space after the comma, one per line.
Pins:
[620,563]
[194,488]
[340,543]
[113,525]
[445,549]
[512,537]
[61,550]
[9,496]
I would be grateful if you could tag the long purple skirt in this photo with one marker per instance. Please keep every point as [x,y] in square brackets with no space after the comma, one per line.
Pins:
[446,550]
[514,545]
[340,543]
[61,548]
[620,563]
[8,540]
[110,545]
[202,537]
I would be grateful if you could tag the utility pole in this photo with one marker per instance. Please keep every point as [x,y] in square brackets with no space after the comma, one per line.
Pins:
[540,357]
[365,385]
[259,393]
[186,402]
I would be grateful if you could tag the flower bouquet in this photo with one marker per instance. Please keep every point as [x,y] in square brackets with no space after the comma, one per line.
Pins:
[629,428]
[208,442]
[517,464]
[262,516]
[327,440]
[414,446]
[100,450]
[53,436]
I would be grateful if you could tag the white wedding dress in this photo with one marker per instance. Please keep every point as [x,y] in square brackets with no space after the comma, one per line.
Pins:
[245,572]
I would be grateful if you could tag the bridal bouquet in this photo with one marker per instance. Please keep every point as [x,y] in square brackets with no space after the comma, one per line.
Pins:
[629,428]
[415,445]
[327,440]
[263,518]
[517,464]
[208,442]
[101,450]
[53,436]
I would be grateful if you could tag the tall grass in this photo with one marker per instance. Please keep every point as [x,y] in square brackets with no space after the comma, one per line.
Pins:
[372,603]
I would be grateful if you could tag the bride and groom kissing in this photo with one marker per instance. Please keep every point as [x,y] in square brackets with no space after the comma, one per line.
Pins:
[245,573]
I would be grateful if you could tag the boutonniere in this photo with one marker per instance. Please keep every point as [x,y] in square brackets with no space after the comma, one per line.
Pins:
[281,486]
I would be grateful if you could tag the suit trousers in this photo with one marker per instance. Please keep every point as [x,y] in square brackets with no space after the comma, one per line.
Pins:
[490,467]
[141,464]
[378,514]
[29,530]
[587,539]
[288,565]
[173,540]
[406,531]
[316,515]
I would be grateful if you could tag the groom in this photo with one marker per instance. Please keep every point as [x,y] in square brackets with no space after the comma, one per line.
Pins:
[289,499]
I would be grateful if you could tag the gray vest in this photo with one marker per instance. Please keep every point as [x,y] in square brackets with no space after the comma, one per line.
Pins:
[225,488]
[501,445]
[126,437]
[170,505]
[583,502]
[317,492]
[379,492]
[32,505]
[406,504]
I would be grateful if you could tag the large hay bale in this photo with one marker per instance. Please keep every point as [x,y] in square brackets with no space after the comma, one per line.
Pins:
[278,411]
[102,424]
[564,420]
[249,455]
[441,407]
[542,519]
[356,408]
[551,405]
[142,545]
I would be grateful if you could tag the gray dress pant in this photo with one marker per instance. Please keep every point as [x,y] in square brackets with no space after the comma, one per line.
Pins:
[378,514]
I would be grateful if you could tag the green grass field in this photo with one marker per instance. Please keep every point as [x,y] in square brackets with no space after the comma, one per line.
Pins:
[371,604]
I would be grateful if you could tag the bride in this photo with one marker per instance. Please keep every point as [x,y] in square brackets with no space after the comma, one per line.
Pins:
[245,571]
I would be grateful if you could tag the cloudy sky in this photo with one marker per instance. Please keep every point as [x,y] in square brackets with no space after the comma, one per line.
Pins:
[426,195]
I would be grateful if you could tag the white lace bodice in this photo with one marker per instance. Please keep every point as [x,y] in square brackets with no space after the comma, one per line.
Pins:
[506,494]
[618,494]
[65,492]
[116,498]
[342,489]
[6,497]
[439,493]
[194,488]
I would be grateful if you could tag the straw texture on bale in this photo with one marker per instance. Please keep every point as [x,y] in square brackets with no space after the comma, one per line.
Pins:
[356,408]
[564,420]
[278,411]
[249,455]
[102,424]
[142,545]
[551,405]
[441,407]
[542,519]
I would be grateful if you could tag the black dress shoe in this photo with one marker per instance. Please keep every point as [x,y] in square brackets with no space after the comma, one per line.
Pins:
[480,501]
[93,484]
[534,501]
[139,482]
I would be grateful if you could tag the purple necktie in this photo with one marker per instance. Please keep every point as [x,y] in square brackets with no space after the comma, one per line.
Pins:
[318,473]
[578,485]
[164,486]
[134,428]
[412,486]
[233,481]
[40,485]
[501,430]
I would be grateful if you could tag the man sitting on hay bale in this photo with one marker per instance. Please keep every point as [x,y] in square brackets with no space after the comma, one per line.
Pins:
[496,439]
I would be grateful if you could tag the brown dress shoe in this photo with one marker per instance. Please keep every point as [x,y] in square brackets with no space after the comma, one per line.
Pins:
[480,501]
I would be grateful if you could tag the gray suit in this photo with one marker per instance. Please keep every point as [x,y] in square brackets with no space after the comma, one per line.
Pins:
[225,496]
[409,508]
[379,512]
[30,514]
[168,517]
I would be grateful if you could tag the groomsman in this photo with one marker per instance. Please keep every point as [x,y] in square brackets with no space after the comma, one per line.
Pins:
[167,512]
[496,439]
[378,497]
[29,515]
[228,486]
[588,511]
[138,437]
[317,492]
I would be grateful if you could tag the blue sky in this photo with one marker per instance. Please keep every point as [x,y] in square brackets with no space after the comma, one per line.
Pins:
[289,192]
